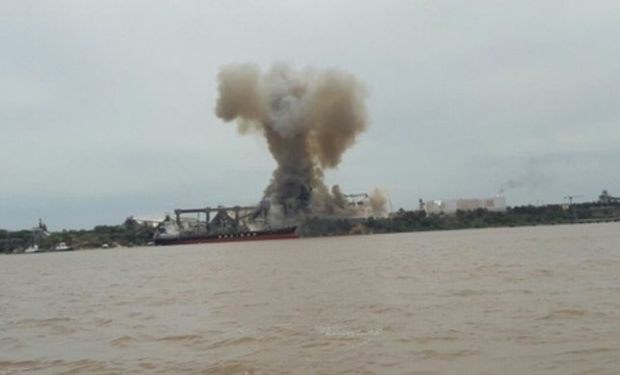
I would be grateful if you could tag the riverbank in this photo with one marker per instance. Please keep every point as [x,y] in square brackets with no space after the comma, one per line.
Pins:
[101,236]
[414,221]
[130,234]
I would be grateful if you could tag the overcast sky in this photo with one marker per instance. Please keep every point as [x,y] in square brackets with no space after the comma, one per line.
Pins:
[106,107]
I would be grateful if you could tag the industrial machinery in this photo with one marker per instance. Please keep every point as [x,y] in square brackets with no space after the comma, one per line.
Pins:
[219,224]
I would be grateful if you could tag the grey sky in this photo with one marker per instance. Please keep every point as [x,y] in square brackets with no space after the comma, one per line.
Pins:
[106,107]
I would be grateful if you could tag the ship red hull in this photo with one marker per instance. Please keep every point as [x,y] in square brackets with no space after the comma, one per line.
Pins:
[255,236]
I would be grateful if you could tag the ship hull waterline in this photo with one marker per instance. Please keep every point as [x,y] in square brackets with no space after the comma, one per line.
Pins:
[214,238]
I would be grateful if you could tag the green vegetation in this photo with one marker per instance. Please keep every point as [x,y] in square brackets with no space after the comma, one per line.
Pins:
[126,235]
[12,240]
[409,221]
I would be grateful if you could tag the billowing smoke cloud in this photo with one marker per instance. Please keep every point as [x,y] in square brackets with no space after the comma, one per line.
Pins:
[309,118]
[340,200]
[378,201]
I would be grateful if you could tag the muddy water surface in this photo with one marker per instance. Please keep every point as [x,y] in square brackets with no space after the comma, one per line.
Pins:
[541,300]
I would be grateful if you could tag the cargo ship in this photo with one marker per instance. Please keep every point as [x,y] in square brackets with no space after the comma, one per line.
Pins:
[222,224]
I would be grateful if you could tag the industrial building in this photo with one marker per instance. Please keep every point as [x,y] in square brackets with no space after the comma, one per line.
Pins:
[494,204]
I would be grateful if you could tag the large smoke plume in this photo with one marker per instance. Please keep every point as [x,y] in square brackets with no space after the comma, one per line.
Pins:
[309,119]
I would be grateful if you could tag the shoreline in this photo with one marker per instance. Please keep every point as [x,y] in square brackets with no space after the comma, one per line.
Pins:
[329,235]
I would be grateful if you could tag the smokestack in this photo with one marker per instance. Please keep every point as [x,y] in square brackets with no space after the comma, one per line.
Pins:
[309,119]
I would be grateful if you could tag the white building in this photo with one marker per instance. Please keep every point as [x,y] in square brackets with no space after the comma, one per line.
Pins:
[495,204]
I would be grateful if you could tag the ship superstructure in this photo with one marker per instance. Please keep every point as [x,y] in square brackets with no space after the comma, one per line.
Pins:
[222,224]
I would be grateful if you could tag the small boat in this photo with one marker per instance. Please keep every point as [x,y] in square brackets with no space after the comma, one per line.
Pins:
[62,246]
[32,249]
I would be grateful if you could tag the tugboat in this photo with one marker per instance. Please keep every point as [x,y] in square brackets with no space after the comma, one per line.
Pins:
[62,246]
[39,233]
[228,224]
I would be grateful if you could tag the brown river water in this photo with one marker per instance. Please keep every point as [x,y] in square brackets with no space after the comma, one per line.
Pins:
[537,300]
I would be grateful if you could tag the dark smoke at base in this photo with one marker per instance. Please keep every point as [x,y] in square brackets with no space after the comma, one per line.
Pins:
[308,117]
